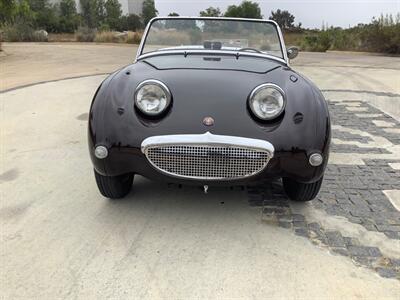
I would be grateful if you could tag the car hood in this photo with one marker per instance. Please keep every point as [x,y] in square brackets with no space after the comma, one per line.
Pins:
[200,93]
[213,62]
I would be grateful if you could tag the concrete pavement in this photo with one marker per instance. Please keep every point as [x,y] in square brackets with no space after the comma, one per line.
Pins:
[61,240]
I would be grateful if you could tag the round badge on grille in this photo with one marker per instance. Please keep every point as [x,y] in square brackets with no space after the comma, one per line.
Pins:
[208,121]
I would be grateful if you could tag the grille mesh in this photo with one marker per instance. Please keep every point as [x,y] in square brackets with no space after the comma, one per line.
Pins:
[208,162]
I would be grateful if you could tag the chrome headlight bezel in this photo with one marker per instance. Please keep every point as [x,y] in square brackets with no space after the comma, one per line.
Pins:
[160,85]
[259,88]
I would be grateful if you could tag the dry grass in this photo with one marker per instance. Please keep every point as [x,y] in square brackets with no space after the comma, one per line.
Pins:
[129,37]
[85,34]
[169,38]
[134,37]
[62,37]
[109,37]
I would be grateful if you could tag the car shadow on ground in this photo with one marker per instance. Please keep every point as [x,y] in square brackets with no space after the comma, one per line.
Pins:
[153,197]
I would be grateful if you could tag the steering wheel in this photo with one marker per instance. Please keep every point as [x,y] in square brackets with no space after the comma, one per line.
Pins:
[250,49]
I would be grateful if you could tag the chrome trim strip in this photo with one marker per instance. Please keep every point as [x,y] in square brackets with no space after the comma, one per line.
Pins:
[207,139]
[283,45]
[209,52]
[282,42]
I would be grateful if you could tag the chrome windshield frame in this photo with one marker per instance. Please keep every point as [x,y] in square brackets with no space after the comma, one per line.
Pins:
[140,54]
[209,52]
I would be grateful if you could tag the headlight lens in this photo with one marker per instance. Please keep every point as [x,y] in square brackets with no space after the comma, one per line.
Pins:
[152,97]
[267,101]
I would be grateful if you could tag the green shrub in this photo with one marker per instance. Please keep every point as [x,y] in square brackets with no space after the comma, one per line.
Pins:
[379,38]
[18,32]
[104,27]
[342,40]
[317,42]
[67,25]
[85,34]
[381,35]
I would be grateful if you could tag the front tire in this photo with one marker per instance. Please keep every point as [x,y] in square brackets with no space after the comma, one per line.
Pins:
[114,187]
[298,191]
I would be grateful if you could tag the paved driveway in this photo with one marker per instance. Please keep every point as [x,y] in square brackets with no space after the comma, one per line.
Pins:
[61,239]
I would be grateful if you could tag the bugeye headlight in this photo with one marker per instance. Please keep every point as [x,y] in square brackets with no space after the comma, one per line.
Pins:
[267,101]
[152,97]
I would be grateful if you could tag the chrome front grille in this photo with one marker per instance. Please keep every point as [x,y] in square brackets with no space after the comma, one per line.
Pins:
[212,157]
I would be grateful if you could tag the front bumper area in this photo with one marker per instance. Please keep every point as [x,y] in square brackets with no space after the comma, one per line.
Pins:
[207,156]
[130,158]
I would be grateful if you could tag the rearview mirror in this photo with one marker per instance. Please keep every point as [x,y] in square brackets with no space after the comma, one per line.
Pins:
[292,52]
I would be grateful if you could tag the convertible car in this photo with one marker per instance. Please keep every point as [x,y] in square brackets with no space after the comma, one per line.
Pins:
[210,101]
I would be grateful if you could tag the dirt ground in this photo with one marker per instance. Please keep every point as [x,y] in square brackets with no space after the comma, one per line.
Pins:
[28,63]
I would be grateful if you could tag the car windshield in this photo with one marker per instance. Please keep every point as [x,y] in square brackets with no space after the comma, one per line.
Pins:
[213,34]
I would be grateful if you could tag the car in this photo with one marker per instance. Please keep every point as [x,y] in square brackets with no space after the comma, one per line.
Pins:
[210,101]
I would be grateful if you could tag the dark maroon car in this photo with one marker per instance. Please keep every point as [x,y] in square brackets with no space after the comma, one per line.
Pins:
[210,101]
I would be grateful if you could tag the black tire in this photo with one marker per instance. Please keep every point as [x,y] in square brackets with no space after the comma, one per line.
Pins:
[114,187]
[298,191]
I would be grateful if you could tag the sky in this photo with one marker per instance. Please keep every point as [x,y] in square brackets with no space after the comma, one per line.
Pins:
[310,13]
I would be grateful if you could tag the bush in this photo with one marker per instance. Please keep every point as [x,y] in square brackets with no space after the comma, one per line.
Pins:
[317,42]
[104,27]
[85,34]
[381,35]
[18,32]
[379,38]
[67,25]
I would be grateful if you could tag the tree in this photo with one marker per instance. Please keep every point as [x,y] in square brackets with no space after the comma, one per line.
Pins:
[46,16]
[68,21]
[112,13]
[23,13]
[149,11]
[100,11]
[37,5]
[8,8]
[284,18]
[67,8]
[246,9]
[133,22]
[173,14]
[92,12]
[211,12]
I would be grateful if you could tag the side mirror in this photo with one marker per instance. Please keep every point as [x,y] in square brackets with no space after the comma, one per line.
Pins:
[292,52]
